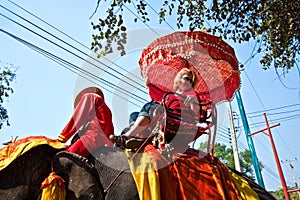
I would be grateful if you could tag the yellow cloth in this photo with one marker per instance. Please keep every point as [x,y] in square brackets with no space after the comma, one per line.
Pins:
[153,175]
[53,188]
[144,170]
[244,188]
[10,152]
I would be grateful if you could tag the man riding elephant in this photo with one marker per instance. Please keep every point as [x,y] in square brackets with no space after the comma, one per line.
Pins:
[91,122]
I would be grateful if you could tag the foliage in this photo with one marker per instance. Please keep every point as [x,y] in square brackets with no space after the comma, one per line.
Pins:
[225,154]
[274,25]
[279,194]
[7,76]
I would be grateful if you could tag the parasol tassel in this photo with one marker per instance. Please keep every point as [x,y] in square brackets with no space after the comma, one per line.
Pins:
[53,188]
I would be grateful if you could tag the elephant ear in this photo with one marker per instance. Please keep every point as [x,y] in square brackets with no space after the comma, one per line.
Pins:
[80,176]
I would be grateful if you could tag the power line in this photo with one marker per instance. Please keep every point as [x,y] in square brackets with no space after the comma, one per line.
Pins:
[271,174]
[69,46]
[263,124]
[277,113]
[242,146]
[277,108]
[137,97]
[73,39]
[265,111]
[281,81]
[43,52]
[255,91]
[286,118]
[138,17]
[287,147]
[158,14]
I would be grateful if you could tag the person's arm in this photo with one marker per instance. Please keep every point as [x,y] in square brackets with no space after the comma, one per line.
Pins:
[84,111]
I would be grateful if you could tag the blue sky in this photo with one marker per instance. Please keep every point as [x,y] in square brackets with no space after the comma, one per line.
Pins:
[44,91]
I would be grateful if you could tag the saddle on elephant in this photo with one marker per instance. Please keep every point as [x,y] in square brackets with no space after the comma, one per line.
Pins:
[12,151]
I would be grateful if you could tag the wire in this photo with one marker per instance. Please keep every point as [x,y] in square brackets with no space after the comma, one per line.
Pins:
[66,62]
[281,81]
[255,91]
[141,20]
[278,119]
[158,14]
[277,108]
[285,118]
[74,55]
[71,47]
[73,39]
[277,113]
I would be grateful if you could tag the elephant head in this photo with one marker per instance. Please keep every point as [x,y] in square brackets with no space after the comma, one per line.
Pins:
[21,179]
[81,178]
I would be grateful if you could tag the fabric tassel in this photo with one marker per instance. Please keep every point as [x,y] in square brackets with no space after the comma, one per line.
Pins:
[53,188]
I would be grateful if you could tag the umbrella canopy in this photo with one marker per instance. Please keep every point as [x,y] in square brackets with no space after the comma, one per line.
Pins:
[212,59]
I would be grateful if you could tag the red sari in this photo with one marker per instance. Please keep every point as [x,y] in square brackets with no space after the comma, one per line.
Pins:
[181,120]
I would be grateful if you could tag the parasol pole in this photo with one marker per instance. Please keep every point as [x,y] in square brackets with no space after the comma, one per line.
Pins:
[249,140]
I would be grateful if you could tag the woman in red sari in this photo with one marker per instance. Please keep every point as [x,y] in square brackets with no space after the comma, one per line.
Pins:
[183,101]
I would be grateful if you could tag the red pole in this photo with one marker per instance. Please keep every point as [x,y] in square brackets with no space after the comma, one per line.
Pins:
[295,190]
[285,189]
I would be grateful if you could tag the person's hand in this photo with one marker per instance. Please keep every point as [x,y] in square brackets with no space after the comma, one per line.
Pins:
[159,110]
[60,138]
[193,103]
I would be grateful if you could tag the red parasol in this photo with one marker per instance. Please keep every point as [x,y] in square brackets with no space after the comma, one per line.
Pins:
[212,59]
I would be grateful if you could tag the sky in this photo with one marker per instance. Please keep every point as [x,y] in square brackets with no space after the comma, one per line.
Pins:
[44,91]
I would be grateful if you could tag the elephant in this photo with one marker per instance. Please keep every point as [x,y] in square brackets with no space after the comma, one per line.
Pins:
[21,180]
[105,175]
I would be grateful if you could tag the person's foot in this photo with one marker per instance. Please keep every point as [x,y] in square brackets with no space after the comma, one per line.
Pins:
[119,140]
[134,143]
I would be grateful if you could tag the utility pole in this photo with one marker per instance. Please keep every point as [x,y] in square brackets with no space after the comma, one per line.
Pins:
[235,150]
[293,174]
[283,183]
